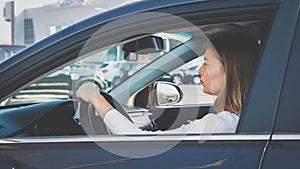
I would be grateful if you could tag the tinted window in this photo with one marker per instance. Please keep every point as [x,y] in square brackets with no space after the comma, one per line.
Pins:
[29,31]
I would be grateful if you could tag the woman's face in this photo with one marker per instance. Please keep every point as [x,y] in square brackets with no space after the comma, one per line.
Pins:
[212,73]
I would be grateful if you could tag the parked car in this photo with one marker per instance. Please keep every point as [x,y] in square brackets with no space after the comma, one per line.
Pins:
[54,134]
[116,69]
[116,72]
[8,50]
[87,72]
[193,76]
[60,85]
[186,75]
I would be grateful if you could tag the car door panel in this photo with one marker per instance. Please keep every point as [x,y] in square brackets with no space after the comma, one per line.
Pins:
[283,152]
[229,151]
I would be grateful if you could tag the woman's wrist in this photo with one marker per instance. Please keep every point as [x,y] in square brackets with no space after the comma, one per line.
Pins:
[100,103]
[95,95]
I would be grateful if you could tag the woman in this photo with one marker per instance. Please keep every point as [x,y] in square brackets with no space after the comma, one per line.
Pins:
[227,72]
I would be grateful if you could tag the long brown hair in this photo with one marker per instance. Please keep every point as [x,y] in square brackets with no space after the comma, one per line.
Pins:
[238,54]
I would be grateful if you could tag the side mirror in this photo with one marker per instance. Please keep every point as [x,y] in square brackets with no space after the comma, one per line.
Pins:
[166,93]
[149,44]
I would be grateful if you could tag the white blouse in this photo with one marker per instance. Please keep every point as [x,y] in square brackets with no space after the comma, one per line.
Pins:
[223,122]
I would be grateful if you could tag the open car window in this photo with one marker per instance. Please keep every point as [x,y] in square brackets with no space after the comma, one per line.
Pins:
[106,68]
[129,72]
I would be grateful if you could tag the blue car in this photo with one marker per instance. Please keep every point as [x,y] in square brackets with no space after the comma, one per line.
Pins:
[8,50]
[66,133]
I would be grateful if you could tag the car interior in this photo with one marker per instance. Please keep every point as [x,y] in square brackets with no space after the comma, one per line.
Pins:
[60,117]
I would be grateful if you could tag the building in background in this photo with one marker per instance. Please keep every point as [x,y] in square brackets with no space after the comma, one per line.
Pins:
[34,24]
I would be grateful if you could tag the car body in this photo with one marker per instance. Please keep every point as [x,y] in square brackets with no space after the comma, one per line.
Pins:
[47,135]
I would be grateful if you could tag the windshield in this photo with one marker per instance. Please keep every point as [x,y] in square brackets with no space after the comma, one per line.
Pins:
[106,67]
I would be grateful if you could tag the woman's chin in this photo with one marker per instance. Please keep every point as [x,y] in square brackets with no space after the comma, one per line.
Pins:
[207,91]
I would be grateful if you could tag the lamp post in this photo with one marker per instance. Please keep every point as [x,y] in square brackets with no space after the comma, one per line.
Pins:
[9,16]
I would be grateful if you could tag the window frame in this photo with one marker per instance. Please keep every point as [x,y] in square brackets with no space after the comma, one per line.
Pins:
[218,11]
[286,121]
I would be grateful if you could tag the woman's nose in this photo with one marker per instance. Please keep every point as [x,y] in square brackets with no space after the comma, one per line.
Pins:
[200,70]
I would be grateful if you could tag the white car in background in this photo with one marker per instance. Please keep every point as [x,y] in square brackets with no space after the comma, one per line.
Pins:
[187,74]
[116,69]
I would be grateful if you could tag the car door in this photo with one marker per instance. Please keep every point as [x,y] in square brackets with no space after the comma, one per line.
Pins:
[283,150]
[243,149]
[258,118]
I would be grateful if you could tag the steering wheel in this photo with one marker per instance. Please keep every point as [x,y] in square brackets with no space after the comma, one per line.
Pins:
[91,122]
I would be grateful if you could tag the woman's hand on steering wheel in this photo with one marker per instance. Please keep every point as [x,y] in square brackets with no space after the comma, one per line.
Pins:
[89,93]
[86,92]
[90,98]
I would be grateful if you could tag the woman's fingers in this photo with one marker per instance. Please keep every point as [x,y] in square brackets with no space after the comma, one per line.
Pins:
[87,91]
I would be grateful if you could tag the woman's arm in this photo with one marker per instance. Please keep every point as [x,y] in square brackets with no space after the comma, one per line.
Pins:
[118,124]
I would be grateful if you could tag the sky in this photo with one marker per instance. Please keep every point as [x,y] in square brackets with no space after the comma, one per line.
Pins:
[5,36]
[20,5]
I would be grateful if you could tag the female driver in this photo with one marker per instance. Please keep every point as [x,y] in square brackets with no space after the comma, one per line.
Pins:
[227,72]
